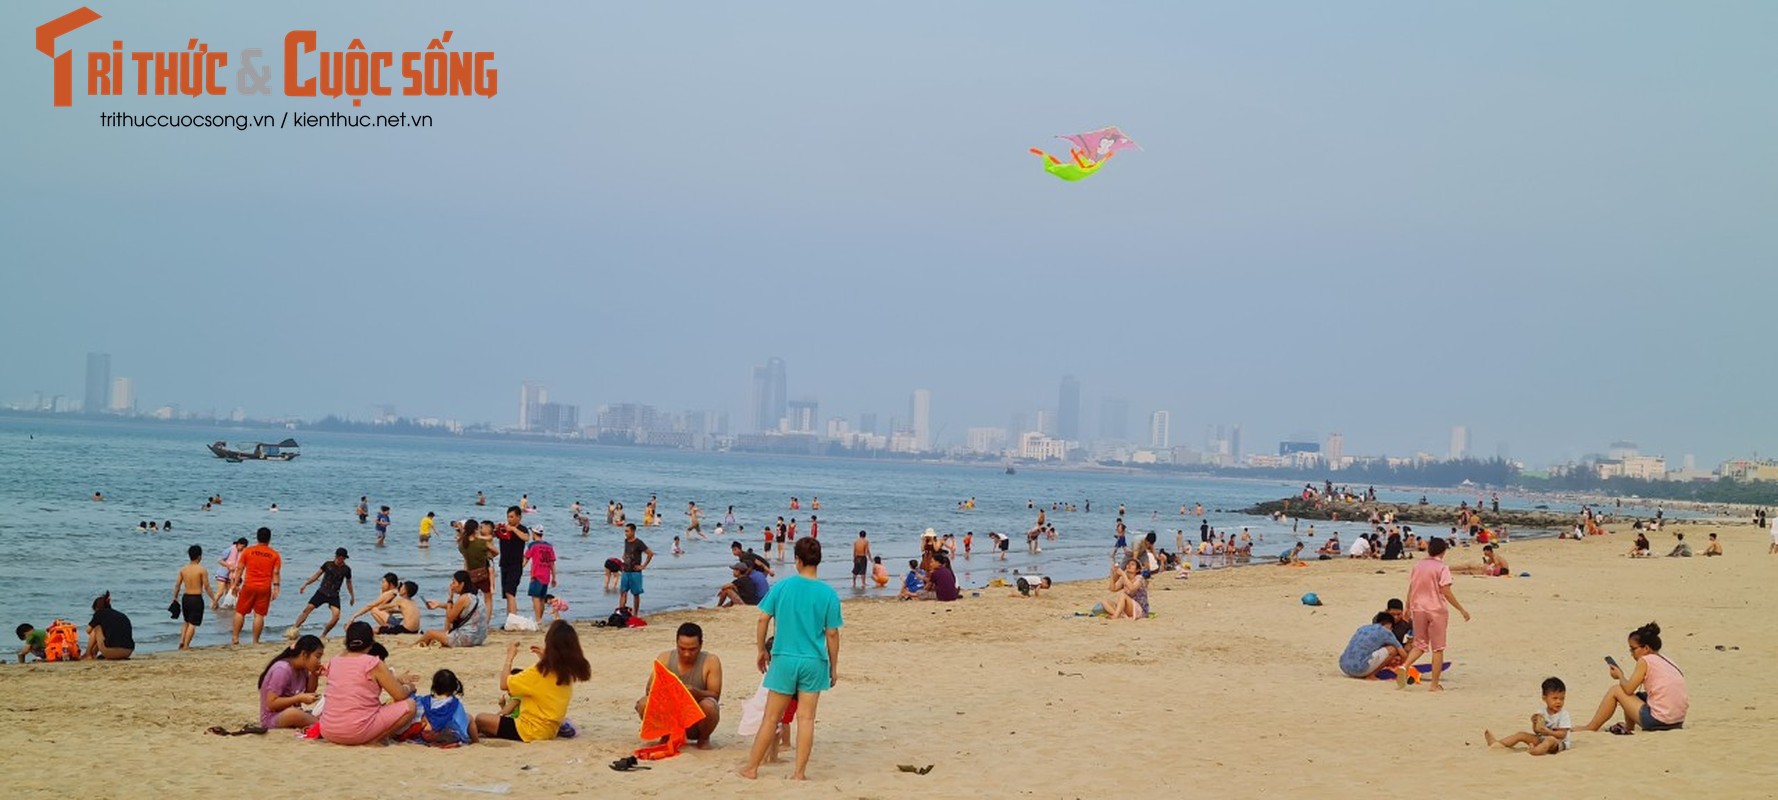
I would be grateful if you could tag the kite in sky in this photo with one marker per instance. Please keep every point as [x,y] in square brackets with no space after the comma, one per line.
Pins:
[1089,151]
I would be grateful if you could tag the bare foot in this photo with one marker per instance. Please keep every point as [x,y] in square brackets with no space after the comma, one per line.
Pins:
[703,744]
[1435,688]
[1489,735]
[799,777]
[749,774]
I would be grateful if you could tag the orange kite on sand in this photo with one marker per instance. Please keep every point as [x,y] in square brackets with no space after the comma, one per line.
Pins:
[669,711]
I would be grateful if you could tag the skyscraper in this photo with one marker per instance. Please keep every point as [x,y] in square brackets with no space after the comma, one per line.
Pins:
[532,396]
[803,415]
[1160,430]
[1114,419]
[123,396]
[920,410]
[867,423]
[98,382]
[1068,410]
[1459,443]
[1336,448]
[769,402]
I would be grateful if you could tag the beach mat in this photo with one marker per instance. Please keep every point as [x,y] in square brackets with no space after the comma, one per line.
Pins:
[1423,669]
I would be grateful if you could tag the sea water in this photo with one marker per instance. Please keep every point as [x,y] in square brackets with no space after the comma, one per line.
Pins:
[62,549]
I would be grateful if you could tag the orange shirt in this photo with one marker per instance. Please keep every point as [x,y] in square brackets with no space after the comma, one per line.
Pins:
[259,562]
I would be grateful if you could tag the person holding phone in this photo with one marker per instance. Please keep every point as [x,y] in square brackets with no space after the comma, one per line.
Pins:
[1662,701]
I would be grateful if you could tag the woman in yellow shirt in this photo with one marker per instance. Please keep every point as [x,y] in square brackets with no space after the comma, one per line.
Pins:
[542,691]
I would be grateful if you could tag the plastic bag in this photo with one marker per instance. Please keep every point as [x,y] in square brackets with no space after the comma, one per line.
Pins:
[514,622]
[753,713]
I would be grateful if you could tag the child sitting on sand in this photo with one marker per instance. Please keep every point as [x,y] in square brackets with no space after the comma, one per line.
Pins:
[914,583]
[878,572]
[1714,548]
[1549,727]
[443,721]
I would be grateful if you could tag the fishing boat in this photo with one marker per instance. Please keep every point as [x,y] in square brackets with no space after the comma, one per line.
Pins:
[262,451]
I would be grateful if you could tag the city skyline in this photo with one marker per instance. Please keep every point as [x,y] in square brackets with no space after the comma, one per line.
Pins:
[1222,444]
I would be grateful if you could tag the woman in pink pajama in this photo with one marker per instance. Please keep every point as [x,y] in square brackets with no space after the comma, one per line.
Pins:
[355,712]
[1429,589]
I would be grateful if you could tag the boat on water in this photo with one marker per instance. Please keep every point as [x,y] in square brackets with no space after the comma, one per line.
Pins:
[262,451]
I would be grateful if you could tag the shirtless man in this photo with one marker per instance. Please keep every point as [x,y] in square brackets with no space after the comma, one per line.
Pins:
[702,674]
[189,591]
[403,614]
[860,560]
[696,527]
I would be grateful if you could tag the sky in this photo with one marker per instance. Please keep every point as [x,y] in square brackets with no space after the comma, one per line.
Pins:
[1550,223]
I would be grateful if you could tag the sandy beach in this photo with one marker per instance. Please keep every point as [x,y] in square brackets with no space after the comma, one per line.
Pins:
[1232,687]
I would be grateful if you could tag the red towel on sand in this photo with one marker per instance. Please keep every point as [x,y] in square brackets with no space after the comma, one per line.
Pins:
[669,711]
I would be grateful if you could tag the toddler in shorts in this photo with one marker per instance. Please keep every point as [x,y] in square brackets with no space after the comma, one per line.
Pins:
[1549,727]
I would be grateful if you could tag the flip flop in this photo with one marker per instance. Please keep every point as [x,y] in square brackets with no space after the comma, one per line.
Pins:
[914,769]
[626,764]
[1618,729]
[217,729]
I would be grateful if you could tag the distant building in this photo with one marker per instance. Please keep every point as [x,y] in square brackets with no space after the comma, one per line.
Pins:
[532,396]
[98,382]
[769,400]
[1046,422]
[556,418]
[1291,448]
[986,441]
[1036,446]
[123,396]
[867,423]
[1746,469]
[1648,468]
[802,415]
[1459,443]
[1336,448]
[1160,430]
[1068,409]
[1114,419]
[920,410]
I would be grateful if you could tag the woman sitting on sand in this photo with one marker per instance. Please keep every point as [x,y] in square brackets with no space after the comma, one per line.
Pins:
[1641,548]
[541,692]
[355,712]
[288,683]
[1119,603]
[1662,703]
[465,626]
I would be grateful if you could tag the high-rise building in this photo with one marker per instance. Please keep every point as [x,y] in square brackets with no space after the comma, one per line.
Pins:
[123,396]
[920,410]
[1459,443]
[986,441]
[1046,422]
[1336,447]
[1068,410]
[1016,427]
[1235,444]
[1114,419]
[867,423]
[1160,430]
[98,382]
[803,414]
[532,396]
[770,403]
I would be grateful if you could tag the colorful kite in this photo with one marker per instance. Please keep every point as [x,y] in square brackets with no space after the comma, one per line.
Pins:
[1089,151]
